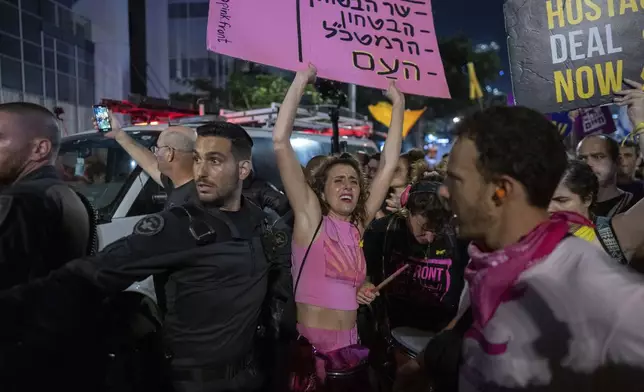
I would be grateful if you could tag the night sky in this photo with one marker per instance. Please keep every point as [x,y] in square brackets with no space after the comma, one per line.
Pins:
[481,20]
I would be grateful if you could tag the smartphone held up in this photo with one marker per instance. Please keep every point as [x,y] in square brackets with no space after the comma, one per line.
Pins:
[102,118]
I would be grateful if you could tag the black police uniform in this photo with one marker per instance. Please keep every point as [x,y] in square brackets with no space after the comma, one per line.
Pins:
[43,225]
[265,195]
[218,285]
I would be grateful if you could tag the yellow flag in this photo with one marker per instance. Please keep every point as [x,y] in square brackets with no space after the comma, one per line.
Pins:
[475,86]
[382,113]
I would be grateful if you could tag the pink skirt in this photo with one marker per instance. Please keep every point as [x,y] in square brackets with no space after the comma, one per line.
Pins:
[327,340]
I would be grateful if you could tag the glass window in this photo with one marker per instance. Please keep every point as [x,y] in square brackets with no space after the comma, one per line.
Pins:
[66,88]
[177,11]
[146,202]
[264,162]
[50,59]
[31,28]
[198,10]
[198,68]
[10,46]
[184,69]
[50,84]
[81,30]
[9,21]
[32,6]
[32,53]
[65,20]
[82,70]
[33,80]
[48,42]
[11,73]
[173,68]
[86,92]
[66,65]
[101,170]
[48,11]
[64,48]
[89,71]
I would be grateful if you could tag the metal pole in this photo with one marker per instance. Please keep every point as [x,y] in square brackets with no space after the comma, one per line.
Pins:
[335,122]
[352,98]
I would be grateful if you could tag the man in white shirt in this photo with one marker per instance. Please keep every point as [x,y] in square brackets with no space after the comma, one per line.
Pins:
[551,312]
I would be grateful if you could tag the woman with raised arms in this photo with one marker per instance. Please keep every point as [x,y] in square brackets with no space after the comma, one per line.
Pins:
[331,214]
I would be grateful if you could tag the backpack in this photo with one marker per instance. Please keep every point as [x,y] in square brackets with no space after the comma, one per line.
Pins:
[608,240]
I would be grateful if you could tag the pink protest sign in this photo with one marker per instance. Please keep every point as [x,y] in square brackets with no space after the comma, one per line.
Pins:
[366,42]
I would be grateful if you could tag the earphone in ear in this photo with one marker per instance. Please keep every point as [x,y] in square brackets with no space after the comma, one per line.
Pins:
[500,194]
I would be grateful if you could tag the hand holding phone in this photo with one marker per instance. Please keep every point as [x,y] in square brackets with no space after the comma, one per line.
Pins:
[102,118]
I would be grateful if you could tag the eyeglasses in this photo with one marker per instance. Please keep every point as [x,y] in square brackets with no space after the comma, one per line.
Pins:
[156,149]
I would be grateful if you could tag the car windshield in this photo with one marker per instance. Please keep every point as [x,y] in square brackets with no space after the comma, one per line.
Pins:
[264,161]
[98,167]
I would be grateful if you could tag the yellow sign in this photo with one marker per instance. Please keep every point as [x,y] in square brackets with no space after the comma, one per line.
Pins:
[382,113]
[475,86]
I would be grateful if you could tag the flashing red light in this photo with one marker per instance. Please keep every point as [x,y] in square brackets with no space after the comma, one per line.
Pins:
[147,116]
[363,131]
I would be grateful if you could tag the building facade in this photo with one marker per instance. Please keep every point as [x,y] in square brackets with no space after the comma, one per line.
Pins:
[47,57]
[189,57]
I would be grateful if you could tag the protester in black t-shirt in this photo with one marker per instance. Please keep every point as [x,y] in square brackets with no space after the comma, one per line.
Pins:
[426,295]
[601,153]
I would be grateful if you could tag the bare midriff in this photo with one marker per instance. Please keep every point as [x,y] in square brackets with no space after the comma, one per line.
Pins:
[323,318]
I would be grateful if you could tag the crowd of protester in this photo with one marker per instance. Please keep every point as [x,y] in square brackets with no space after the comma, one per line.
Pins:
[507,266]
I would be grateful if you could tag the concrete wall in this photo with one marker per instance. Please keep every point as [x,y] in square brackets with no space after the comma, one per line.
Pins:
[158,71]
[112,45]
[110,33]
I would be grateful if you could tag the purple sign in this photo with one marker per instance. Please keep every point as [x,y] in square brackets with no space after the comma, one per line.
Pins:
[593,121]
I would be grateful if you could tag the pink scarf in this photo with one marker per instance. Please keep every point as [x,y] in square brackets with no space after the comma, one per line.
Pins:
[491,275]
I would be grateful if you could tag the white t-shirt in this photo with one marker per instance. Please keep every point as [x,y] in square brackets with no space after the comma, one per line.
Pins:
[576,323]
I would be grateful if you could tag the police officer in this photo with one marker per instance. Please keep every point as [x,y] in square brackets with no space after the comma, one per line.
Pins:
[227,272]
[43,224]
[265,195]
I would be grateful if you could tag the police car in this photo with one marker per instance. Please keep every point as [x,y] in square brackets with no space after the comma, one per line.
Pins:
[123,193]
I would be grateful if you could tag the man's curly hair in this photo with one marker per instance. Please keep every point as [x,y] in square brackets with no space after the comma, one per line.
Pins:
[319,179]
[520,143]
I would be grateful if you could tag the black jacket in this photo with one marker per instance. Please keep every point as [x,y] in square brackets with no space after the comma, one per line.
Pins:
[265,195]
[43,225]
[216,290]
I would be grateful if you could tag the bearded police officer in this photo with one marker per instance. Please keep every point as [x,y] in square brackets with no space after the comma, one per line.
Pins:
[43,222]
[43,225]
[227,274]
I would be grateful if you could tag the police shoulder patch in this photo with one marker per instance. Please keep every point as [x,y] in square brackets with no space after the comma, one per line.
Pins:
[6,202]
[280,239]
[150,225]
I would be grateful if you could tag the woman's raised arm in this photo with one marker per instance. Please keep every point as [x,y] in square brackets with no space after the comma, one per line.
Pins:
[305,204]
[389,156]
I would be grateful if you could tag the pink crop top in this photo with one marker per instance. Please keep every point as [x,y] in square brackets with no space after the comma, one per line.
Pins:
[334,269]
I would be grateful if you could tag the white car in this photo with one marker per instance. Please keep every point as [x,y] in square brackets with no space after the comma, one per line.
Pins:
[123,193]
